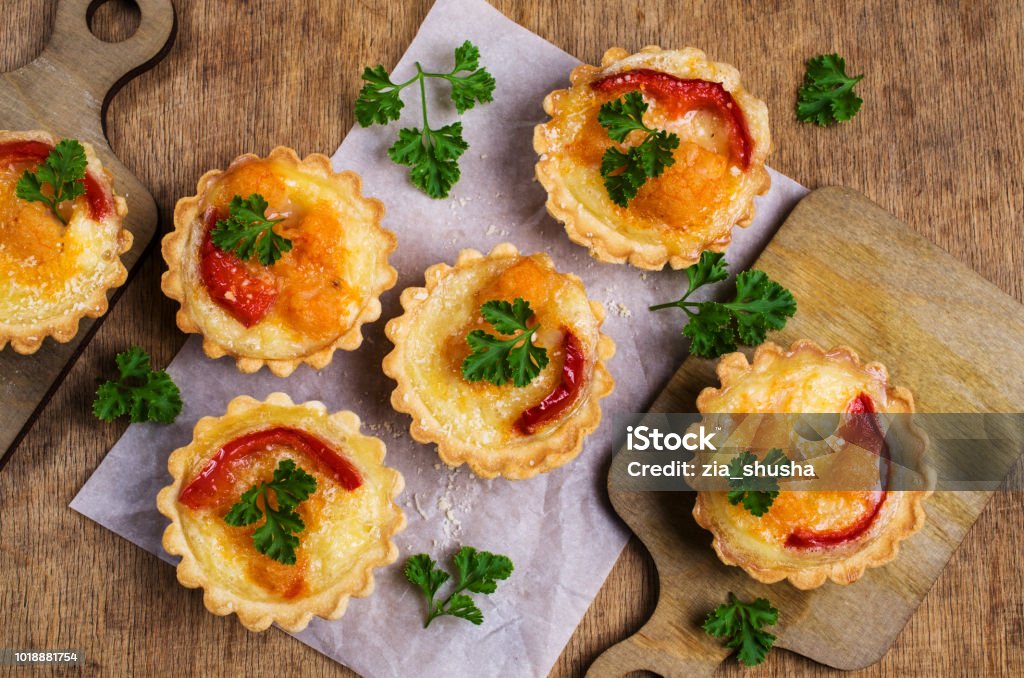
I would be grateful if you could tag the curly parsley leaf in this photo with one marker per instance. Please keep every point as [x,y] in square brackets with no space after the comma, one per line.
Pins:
[499,360]
[276,537]
[625,171]
[741,625]
[710,330]
[757,493]
[826,95]
[477,87]
[622,116]
[715,328]
[761,304]
[462,606]
[622,177]
[246,510]
[379,100]
[247,231]
[432,154]
[476,572]
[63,171]
[142,393]
[506,317]
[710,269]
[480,571]
[467,57]
[422,571]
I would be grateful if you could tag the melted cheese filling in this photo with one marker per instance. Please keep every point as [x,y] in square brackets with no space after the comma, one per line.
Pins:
[49,270]
[481,413]
[816,511]
[342,526]
[804,382]
[323,283]
[695,202]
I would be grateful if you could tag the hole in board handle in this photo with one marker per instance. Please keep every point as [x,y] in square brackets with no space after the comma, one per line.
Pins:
[113,20]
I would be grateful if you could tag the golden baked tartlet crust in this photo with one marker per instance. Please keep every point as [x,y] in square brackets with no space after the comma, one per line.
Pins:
[323,290]
[689,209]
[347,531]
[476,422]
[868,525]
[52,275]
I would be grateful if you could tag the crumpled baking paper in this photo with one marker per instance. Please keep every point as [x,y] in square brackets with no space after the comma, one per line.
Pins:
[558,528]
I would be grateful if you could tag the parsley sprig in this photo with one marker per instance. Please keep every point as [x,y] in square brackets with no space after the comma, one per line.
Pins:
[757,493]
[741,623]
[625,171]
[247,231]
[714,328]
[144,394]
[63,171]
[826,95]
[432,154]
[477,572]
[275,538]
[497,359]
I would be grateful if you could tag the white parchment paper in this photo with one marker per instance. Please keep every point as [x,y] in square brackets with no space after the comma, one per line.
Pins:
[558,528]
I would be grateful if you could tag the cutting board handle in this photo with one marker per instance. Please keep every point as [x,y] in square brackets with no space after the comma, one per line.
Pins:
[64,91]
[620,660]
[641,652]
[96,65]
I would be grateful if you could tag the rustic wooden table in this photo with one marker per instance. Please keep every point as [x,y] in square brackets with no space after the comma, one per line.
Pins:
[939,142]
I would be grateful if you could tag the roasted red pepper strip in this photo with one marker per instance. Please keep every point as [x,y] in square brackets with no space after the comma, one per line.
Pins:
[863,431]
[563,395]
[101,203]
[680,96]
[217,475]
[245,296]
[16,151]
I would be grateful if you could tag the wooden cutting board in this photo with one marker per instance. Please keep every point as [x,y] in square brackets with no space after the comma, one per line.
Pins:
[65,91]
[864,279]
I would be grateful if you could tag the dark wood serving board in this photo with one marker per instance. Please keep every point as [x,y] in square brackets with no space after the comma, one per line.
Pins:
[864,279]
[64,91]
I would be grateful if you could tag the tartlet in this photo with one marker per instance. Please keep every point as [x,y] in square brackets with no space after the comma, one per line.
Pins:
[310,302]
[692,207]
[810,536]
[52,275]
[515,432]
[349,520]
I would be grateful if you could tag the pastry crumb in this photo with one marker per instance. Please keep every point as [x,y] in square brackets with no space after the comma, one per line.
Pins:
[447,507]
[419,509]
[619,309]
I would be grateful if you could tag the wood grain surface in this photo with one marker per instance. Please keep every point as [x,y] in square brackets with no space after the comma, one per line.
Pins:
[867,281]
[939,143]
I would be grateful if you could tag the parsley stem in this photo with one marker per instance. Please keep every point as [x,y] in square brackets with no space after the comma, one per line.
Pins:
[681,303]
[439,609]
[432,611]
[423,101]
[402,85]
[56,212]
